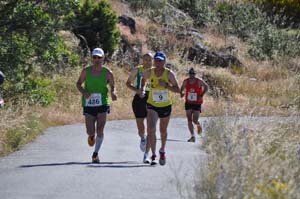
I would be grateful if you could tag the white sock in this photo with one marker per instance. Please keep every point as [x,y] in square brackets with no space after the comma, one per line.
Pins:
[99,141]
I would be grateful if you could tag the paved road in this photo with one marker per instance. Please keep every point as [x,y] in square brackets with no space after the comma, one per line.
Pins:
[57,165]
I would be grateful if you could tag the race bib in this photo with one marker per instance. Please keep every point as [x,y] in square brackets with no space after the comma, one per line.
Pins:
[94,100]
[192,97]
[160,96]
[147,87]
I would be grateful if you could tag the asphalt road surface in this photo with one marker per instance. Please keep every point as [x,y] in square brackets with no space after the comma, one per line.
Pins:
[58,165]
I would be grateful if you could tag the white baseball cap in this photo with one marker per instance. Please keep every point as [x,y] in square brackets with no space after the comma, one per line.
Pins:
[98,52]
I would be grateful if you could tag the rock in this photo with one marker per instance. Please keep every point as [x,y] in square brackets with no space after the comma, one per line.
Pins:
[128,21]
[201,54]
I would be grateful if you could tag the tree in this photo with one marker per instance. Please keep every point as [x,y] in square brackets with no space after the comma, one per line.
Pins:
[29,38]
[96,22]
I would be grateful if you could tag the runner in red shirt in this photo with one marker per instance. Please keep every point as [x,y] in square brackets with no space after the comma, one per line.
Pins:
[195,89]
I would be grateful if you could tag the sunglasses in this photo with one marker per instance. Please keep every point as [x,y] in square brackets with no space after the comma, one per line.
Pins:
[96,57]
[158,60]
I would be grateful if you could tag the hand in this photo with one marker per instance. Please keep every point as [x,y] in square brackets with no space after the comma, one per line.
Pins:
[200,97]
[162,83]
[86,95]
[113,96]
[141,93]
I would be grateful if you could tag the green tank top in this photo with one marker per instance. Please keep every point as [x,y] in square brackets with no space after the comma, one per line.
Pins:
[97,86]
[158,95]
[139,77]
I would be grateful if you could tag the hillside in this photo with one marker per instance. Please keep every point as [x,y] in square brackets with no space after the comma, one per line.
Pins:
[247,51]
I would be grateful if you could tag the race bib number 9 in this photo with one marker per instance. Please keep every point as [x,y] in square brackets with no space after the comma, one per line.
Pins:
[160,96]
[192,97]
[94,100]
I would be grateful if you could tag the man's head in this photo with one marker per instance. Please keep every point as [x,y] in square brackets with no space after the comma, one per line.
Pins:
[159,59]
[192,72]
[97,55]
[1,78]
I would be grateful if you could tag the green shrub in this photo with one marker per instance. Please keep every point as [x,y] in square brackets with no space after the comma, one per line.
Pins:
[29,41]
[286,12]
[202,11]
[40,90]
[270,43]
[97,23]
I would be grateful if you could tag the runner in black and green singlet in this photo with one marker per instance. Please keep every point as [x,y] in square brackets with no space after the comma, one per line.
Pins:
[134,83]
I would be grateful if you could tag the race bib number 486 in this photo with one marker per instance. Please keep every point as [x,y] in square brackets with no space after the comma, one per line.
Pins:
[192,97]
[94,100]
[160,96]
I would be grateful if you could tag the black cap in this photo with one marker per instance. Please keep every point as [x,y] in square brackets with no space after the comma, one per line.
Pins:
[192,71]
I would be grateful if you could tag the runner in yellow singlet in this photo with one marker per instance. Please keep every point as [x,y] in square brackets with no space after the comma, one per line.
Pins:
[159,104]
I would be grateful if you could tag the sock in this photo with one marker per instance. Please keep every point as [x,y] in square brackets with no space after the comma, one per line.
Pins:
[99,141]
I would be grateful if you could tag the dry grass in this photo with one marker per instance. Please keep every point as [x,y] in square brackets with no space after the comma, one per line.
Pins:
[250,158]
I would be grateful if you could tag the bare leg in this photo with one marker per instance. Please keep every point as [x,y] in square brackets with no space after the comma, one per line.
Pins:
[189,115]
[90,124]
[196,121]
[196,115]
[164,122]
[152,118]
[141,127]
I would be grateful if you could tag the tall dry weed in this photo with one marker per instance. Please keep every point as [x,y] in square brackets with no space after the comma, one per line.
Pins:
[251,157]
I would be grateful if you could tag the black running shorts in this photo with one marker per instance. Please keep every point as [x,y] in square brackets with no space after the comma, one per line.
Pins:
[161,111]
[194,107]
[139,106]
[94,111]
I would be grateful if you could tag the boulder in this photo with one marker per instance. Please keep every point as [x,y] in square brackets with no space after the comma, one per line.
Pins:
[128,21]
[202,54]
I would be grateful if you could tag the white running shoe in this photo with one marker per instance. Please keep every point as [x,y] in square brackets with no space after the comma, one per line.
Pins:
[143,144]
[146,159]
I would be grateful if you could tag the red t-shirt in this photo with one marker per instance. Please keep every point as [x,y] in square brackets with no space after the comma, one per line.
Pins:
[192,92]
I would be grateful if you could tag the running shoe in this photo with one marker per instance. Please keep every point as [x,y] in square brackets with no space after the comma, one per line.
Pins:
[153,160]
[146,158]
[91,140]
[162,158]
[95,158]
[143,144]
[192,139]
[199,129]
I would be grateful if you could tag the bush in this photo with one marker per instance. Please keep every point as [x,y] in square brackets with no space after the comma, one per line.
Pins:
[29,40]
[97,23]
[286,12]
[201,11]
[270,43]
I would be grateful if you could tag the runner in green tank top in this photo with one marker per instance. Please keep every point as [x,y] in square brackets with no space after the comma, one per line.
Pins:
[95,103]
[159,104]
[134,83]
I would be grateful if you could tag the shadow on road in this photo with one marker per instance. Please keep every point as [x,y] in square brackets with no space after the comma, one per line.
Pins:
[114,165]
[174,140]
[125,164]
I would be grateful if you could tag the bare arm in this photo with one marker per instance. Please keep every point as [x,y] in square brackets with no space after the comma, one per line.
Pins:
[182,88]
[111,82]
[174,84]
[146,76]
[204,84]
[79,83]
[129,82]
